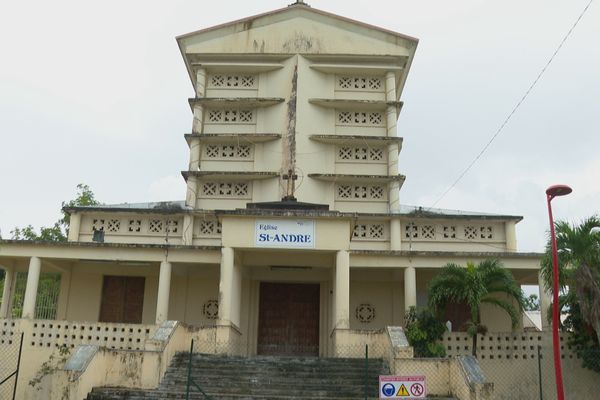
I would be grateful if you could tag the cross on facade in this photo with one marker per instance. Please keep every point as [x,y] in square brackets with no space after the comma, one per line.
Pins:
[291,178]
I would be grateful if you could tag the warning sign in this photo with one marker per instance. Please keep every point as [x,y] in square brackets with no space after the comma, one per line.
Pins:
[402,392]
[402,387]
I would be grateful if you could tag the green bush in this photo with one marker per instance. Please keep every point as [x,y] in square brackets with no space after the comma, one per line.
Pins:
[424,332]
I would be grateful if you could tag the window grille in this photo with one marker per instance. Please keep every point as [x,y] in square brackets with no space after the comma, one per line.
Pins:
[360,192]
[225,189]
[209,227]
[232,81]
[369,231]
[46,302]
[228,151]
[114,225]
[359,153]
[359,83]
[360,118]
[230,116]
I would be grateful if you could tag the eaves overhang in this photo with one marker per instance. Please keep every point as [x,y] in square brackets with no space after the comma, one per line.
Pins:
[230,175]
[446,254]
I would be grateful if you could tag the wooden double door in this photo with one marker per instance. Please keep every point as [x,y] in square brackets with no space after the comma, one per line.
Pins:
[122,299]
[288,322]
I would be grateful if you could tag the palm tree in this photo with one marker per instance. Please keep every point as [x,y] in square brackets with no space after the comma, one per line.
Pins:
[474,285]
[578,266]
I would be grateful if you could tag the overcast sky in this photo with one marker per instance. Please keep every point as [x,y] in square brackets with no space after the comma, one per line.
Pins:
[96,92]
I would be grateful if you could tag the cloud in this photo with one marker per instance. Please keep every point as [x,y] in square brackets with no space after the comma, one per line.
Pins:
[170,187]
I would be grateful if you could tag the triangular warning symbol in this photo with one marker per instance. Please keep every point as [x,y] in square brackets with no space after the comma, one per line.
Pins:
[402,391]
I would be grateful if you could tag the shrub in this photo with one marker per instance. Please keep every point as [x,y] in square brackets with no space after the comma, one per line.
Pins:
[424,331]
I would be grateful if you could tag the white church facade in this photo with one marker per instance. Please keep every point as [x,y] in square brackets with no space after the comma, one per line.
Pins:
[292,238]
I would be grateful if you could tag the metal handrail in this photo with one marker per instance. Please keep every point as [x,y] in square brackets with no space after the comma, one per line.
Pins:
[190,381]
[366,371]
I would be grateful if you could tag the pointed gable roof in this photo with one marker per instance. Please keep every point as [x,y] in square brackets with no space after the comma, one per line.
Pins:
[296,29]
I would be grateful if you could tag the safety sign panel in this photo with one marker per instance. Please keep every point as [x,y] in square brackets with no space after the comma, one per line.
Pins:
[402,387]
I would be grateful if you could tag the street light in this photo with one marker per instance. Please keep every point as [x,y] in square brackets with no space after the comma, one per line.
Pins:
[551,193]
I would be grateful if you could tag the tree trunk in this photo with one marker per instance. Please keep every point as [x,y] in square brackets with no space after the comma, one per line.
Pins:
[474,350]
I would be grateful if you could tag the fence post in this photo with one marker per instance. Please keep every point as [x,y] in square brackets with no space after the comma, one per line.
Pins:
[540,371]
[366,371]
[189,372]
[18,366]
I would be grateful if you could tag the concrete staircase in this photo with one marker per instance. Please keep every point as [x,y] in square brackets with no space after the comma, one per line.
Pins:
[264,378]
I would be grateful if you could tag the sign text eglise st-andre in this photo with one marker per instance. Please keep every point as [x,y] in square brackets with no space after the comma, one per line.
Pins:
[285,233]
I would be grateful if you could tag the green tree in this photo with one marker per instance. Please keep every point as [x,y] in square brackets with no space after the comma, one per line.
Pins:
[532,303]
[578,248]
[59,231]
[485,283]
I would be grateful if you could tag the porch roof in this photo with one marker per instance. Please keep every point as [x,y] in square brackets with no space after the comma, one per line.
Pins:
[117,252]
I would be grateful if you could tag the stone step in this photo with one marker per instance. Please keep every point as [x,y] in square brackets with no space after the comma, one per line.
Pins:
[265,375]
[182,359]
[262,378]
[129,394]
[282,387]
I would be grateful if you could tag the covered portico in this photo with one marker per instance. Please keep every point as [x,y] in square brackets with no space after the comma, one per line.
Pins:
[102,282]
[258,300]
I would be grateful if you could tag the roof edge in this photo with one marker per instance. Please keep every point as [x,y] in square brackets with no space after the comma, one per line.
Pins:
[304,7]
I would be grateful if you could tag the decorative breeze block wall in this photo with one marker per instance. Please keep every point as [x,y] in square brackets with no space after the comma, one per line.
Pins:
[136,225]
[233,81]
[362,192]
[360,83]
[433,231]
[228,152]
[365,154]
[360,118]
[207,227]
[71,334]
[505,346]
[225,190]
[230,116]
[370,230]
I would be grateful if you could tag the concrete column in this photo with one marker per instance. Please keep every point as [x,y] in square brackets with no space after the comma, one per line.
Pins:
[511,235]
[33,278]
[201,82]
[198,119]
[194,164]
[74,227]
[393,149]
[395,234]
[342,290]
[394,187]
[390,86]
[188,230]
[225,286]
[164,292]
[62,305]
[9,276]
[192,192]
[200,92]
[410,288]
[545,303]
[390,95]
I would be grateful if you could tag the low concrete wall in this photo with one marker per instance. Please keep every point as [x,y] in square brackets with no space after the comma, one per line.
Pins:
[75,373]
[517,362]
[351,343]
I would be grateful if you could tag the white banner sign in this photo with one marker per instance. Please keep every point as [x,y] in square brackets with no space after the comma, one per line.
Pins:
[285,233]
[402,387]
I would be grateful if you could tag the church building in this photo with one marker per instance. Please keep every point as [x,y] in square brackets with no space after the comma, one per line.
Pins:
[292,238]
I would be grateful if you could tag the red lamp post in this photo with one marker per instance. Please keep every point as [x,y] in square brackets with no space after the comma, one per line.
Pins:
[551,193]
